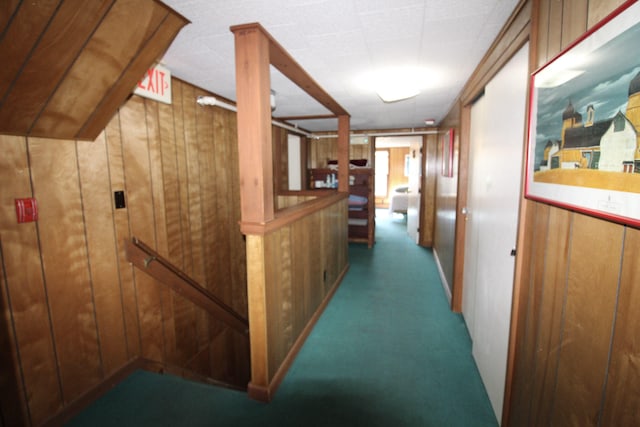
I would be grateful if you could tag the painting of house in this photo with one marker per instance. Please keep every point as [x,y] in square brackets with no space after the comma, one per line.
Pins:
[611,144]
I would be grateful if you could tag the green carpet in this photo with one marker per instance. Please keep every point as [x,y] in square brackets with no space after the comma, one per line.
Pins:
[386,352]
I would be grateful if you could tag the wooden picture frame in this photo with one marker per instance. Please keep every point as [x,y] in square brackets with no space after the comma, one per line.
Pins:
[447,153]
[583,148]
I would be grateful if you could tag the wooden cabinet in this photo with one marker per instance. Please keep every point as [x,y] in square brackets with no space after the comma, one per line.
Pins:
[361,200]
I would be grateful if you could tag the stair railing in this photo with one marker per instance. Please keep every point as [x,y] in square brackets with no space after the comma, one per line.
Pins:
[149,261]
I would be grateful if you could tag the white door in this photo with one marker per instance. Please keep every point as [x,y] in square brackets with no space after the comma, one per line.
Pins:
[495,171]
[413,205]
[294,158]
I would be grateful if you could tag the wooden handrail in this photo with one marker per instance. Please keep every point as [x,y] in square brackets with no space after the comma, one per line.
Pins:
[149,261]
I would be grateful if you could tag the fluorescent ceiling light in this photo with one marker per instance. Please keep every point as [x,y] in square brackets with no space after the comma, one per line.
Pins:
[399,83]
[396,91]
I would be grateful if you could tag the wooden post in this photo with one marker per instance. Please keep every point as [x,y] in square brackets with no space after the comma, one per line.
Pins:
[343,153]
[256,51]
[253,86]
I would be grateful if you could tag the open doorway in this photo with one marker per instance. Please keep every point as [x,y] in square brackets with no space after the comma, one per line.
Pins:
[398,161]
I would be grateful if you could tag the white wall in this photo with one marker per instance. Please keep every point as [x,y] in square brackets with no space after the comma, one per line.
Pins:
[294,158]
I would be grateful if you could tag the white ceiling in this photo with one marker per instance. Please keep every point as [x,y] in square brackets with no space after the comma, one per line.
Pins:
[340,43]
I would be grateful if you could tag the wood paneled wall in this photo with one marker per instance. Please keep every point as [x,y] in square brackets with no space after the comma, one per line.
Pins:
[430,177]
[446,193]
[74,310]
[293,271]
[323,149]
[576,349]
[70,64]
[396,172]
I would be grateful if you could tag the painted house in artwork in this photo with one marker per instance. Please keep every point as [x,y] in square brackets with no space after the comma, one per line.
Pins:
[608,145]
[550,149]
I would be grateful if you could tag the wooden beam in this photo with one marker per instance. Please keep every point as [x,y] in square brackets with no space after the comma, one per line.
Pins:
[343,153]
[282,61]
[253,91]
[311,117]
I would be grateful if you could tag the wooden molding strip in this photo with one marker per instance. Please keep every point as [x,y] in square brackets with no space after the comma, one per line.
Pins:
[265,394]
[149,261]
[291,214]
[311,117]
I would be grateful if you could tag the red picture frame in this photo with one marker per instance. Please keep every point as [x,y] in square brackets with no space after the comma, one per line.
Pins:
[583,145]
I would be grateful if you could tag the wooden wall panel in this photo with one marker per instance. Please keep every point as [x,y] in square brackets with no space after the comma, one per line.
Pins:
[396,167]
[554,30]
[72,63]
[238,247]
[7,9]
[64,114]
[287,287]
[121,230]
[445,200]
[67,30]
[156,174]
[429,177]
[223,194]
[101,247]
[574,20]
[319,151]
[140,205]
[598,10]
[27,25]
[581,370]
[588,320]
[151,52]
[528,325]
[195,204]
[623,384]
[185,319]
[63,249]
[549,308]
[541,9]
[79,310]
[13,408]
[26,294]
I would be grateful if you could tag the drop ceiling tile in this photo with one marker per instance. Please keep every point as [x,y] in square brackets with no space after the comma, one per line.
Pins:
[336,41]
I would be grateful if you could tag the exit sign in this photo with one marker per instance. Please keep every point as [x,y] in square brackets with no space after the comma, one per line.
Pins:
[155,84]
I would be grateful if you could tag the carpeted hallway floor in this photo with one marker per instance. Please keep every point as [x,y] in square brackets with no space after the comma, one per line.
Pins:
[386,352]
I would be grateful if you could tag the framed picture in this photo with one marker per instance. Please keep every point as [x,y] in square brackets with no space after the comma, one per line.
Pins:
[583,149]
[447,153]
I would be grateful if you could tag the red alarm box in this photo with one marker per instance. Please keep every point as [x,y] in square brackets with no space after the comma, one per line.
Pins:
[26,210]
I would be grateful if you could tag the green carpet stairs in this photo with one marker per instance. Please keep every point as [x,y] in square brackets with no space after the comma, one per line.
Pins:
[386,352]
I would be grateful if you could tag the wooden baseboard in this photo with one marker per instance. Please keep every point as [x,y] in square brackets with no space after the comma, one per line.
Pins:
[167,368]
[265,394]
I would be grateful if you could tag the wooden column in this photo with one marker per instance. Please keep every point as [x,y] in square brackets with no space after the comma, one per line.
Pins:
[253,85]
[274,341]
[343,153]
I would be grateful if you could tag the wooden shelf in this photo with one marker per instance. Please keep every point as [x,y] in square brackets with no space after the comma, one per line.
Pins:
[361,217]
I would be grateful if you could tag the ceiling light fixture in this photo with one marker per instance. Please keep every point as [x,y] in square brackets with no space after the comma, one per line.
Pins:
[400,83]
[396,91]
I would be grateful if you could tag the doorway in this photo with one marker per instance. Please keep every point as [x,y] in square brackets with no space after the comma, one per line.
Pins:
[398,172]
